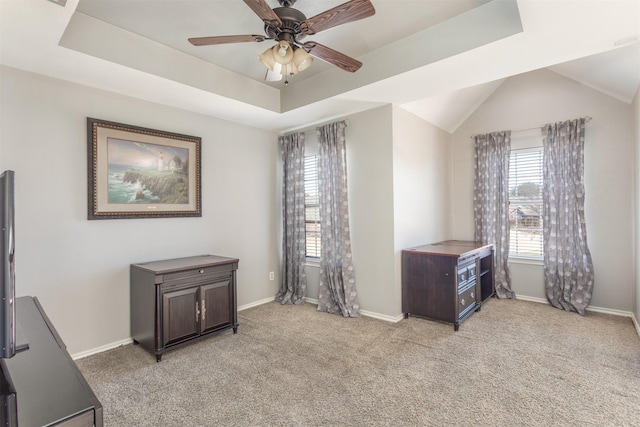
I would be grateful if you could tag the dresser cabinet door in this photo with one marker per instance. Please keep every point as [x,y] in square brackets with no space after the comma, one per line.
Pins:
[180,315]
[217,305]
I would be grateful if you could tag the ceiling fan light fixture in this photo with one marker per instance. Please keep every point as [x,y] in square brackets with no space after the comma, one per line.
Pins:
[267,59]
[282,52]
[285,59]
[273,75]
[289,69]
[302,59]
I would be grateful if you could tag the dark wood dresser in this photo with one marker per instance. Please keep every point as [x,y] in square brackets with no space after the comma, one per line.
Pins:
[447,281]
[42,386]
[179,300]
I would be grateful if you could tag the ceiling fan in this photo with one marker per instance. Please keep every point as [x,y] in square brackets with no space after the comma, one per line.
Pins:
[288,27]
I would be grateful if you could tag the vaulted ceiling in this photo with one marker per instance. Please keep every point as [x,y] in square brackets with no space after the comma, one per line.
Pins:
[440,59]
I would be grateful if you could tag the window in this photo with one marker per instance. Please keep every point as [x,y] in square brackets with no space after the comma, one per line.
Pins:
[525,202]
[311,206]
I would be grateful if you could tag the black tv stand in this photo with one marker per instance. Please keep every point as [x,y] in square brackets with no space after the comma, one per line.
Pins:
[22,342]
[46,385]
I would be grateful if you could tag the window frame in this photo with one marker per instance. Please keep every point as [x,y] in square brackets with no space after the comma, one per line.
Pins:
[311,202]
[537,177]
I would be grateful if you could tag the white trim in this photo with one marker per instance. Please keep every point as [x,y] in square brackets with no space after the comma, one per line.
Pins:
[610,311]
[256,303]
[590,308]
[519,259]
[635,323]
[312,262]
[101,349]
[128,341]
[385,317]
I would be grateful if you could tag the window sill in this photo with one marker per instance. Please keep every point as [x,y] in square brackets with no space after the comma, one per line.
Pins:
[526,260]
[313,262]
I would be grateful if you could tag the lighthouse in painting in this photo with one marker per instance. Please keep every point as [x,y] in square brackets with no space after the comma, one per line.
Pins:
[161,165]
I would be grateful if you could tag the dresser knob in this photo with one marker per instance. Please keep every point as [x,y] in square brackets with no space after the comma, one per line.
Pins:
[201,271]
[472,295]
[462,301]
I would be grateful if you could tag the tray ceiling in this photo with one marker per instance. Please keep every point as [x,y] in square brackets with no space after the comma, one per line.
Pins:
[438,58]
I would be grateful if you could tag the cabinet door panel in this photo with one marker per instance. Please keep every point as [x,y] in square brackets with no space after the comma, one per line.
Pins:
[429,286]
[180,320]
[217,299]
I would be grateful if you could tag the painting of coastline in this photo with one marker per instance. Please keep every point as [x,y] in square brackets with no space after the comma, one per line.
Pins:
[143,173]
[137,172]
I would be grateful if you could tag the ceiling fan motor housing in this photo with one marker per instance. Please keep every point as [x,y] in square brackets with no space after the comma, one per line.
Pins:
[290,30]
[287,3]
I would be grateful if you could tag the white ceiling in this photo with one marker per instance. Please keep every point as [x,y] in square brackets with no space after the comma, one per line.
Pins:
[152,19]
[439,59]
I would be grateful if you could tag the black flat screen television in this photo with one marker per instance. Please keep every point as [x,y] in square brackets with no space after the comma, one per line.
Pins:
[7,266]
[8,325]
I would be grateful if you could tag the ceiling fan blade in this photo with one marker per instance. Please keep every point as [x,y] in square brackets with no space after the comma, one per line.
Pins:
[333,57]
[262,9]
[206,41]
[348,12]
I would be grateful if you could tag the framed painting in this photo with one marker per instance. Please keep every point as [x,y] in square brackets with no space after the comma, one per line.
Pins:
[136,172]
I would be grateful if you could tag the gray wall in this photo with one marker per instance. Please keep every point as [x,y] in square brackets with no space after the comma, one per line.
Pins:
[399,173]
[421,186]
[530,100]
[370,180]
[409,183]
[79,269]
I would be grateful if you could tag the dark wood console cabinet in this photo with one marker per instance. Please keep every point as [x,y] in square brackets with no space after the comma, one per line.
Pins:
[176,301]
[41,385]
[447,281]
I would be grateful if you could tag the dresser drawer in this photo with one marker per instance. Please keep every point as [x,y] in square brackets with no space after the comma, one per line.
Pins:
[466,301]
[466,275]
[203,272]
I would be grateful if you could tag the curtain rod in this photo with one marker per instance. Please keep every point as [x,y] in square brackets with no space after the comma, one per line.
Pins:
[313,128]
[587,119]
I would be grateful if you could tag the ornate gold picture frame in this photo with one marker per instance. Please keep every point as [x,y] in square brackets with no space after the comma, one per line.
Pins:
[137,172]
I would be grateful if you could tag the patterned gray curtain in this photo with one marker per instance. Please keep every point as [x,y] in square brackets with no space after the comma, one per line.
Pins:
[491,202]
[294,279]
[337,293]
[568,270]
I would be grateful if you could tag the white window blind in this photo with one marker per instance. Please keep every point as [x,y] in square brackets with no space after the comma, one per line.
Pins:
[525,202]
[311,206]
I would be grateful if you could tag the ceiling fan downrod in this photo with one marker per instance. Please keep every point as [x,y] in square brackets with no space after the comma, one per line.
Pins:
[289,28]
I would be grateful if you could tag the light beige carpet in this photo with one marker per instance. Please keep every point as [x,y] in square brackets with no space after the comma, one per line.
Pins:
[514,363]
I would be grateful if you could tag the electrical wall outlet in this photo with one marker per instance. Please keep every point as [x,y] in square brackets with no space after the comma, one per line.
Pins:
[272,275]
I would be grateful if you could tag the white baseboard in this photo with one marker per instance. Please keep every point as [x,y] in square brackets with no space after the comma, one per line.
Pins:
[97,350]
[590,308]
[594,309]
[385,317]
[256,303]
[127,341]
